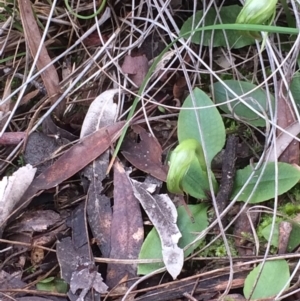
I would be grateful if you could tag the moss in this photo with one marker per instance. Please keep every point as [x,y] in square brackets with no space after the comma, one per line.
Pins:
[218,249]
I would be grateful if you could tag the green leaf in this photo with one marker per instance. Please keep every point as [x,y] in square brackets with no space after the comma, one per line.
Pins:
[207,118]
[227,14]
[256,99]
[51,284]
[295,88]
[294,239]
[273,278]
[288,176]
[61,286]
[151,248]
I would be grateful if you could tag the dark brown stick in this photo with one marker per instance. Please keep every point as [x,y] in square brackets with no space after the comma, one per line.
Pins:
[228,173]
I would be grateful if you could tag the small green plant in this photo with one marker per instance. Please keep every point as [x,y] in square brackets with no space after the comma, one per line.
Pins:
[53,284]
[201,129]
[201,121]
[21,161]
[218,249]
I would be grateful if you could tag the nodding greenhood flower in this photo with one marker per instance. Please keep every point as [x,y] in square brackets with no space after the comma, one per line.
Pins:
[181,159]
[257,12]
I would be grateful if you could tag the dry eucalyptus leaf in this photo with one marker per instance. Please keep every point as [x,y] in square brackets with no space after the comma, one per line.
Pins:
[35,221]
[163,214]
[127,231]
[102,112]
[12,189]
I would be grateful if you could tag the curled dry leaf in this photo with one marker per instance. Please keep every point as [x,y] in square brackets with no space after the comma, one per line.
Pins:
[12,189]
[163,214]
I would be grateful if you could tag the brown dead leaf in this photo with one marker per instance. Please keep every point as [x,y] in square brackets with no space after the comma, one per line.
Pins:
[285,118]
[136,67]
[232,297]
[75,250]
[127,232]
[76,260]
[94,40]
[29,96]
[98,207]
[78,156]
[36,227]
[33,39]
[145,155]
[72,161]
[179,87]
[77,270]
[35,221]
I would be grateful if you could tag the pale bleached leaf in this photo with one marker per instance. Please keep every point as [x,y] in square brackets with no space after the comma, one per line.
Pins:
[283,141]
[12,189]
[163,214]
[163,62]
[102,112]
[225,61]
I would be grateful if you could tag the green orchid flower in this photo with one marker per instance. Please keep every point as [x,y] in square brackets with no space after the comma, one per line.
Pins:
[257,12]
[188,170]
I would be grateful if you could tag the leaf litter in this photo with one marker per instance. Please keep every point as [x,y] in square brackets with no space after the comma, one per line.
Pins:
[99,231]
